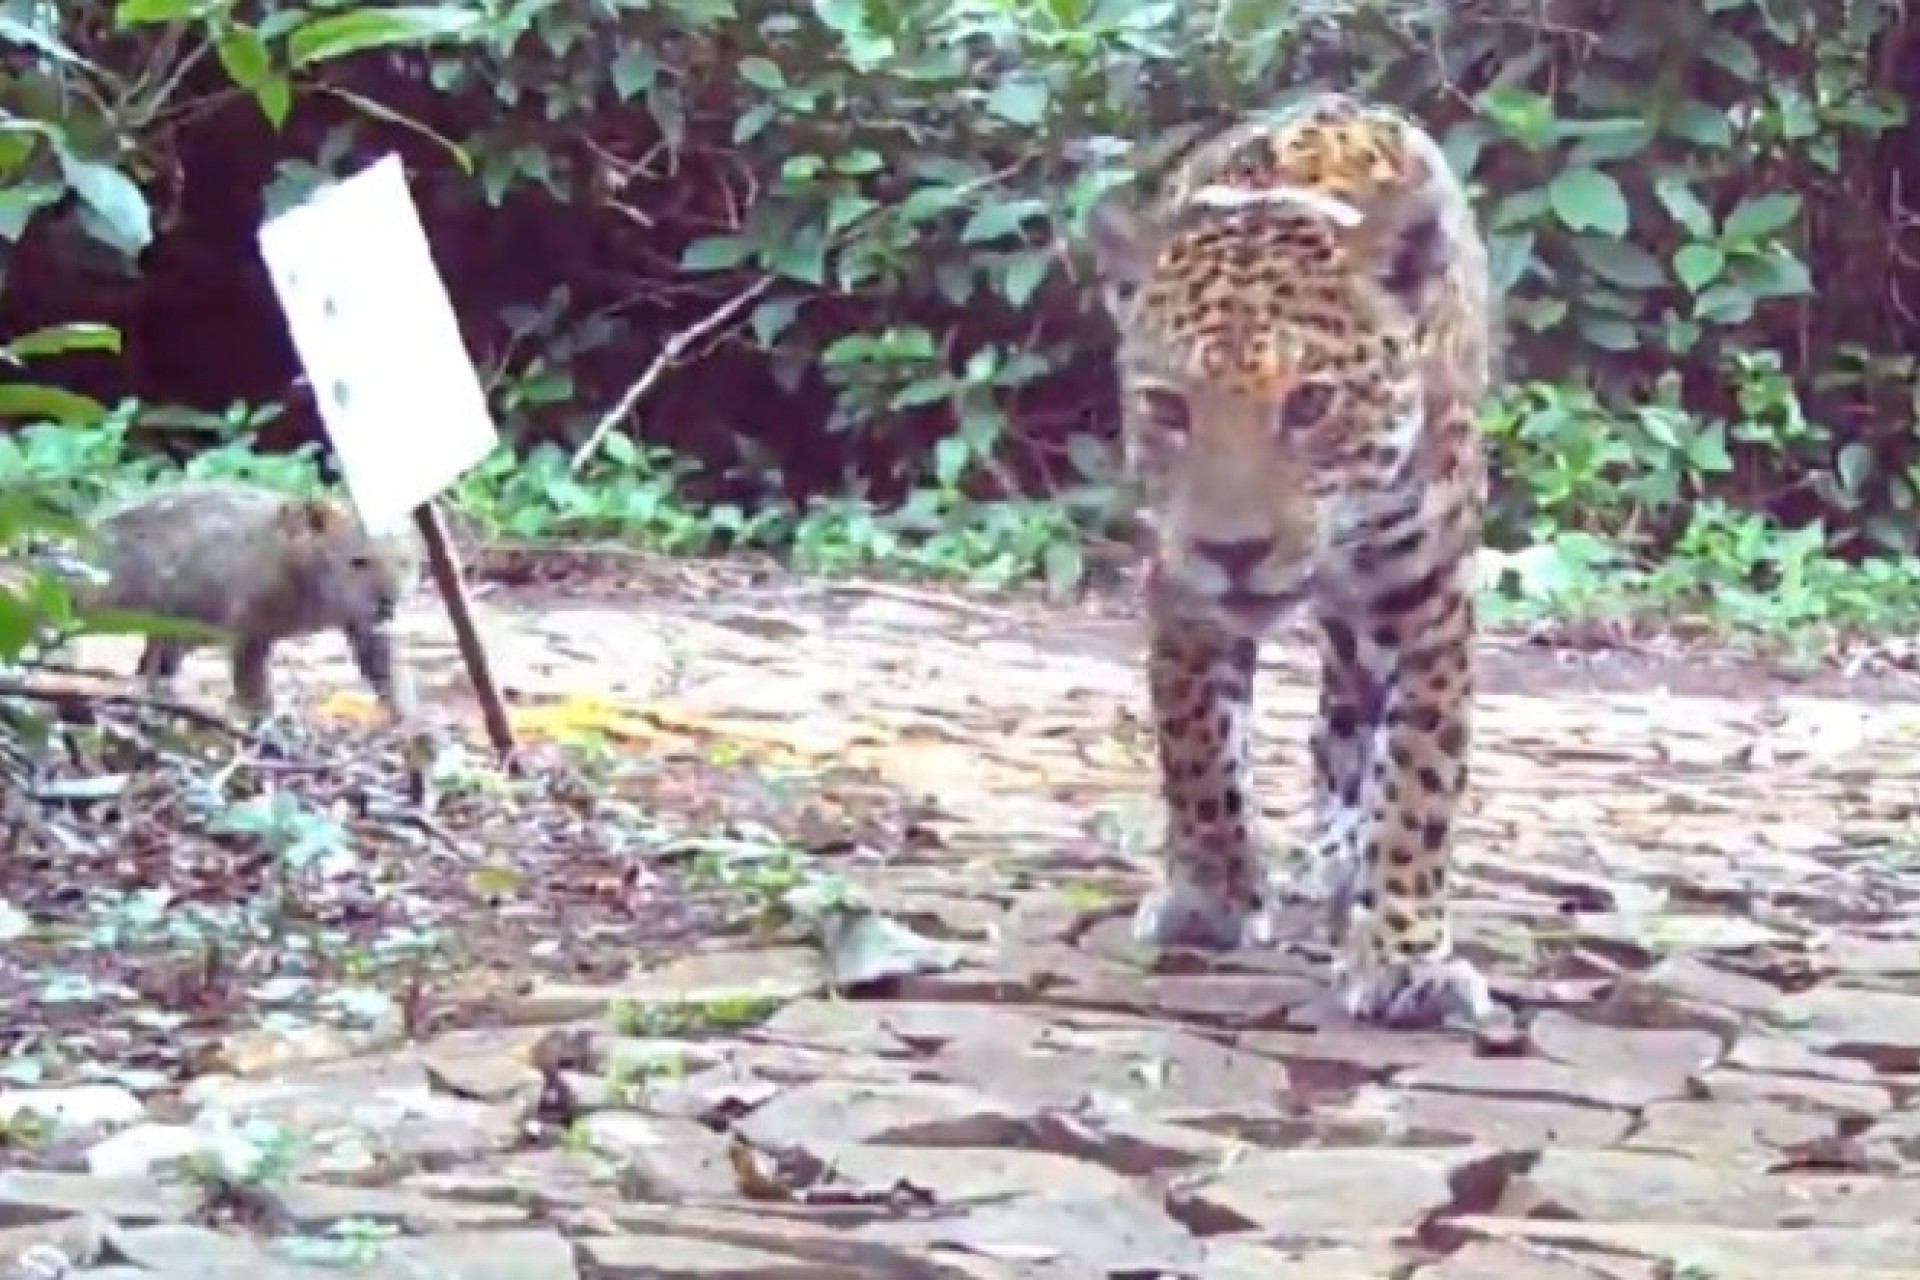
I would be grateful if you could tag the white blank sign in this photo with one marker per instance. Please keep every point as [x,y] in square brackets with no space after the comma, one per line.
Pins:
[374,328]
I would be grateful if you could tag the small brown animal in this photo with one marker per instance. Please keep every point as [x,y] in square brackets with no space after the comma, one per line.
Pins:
[262,566]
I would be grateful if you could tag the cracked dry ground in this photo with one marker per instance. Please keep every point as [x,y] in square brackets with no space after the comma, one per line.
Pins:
[1698,900]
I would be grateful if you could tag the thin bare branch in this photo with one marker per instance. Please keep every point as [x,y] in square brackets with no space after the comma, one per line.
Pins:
[670,351]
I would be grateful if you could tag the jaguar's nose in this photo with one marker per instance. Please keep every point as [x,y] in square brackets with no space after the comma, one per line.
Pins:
[1237,557]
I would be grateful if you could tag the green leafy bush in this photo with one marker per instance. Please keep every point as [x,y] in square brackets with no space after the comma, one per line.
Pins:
[833,243]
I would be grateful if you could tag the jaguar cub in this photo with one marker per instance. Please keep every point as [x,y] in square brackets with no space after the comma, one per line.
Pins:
[1305,334]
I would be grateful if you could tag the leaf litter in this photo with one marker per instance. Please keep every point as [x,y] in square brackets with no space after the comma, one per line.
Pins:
[1584,838]
[173,889]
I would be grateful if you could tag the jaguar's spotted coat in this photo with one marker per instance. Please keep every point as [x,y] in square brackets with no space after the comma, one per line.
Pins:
[1305,330]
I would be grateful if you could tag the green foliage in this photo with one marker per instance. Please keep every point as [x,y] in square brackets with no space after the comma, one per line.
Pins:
[85,130]
[896,179]
[1657,199]
[837,231]
[630,493]
[34,603]
[36,606]
[642,496]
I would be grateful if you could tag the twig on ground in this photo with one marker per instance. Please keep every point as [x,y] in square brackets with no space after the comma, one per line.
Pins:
[932,598]
[127,702]
[41,666]
[670,351]
[383,813]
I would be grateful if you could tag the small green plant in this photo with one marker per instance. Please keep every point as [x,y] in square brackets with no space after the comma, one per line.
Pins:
[630,494]
[298,836]
[773,883]
[629,1071]
[350,1244]
[577,1139]
[1087,897]
[24,1130]
[243,1157]
[679,1018]
[646,497]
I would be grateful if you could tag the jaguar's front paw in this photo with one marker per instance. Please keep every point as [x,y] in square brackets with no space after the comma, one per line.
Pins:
[1177,915]
[1330,880]
[1431,991]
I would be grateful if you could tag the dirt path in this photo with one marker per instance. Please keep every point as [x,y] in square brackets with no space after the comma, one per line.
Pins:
[1694,880]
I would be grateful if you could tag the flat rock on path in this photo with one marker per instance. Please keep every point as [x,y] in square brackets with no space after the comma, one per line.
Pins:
[1704,908]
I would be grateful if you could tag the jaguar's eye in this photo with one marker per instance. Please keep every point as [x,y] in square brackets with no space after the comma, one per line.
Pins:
[1166,411]
[1306,405]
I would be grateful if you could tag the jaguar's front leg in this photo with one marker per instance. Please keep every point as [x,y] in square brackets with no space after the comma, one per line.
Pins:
[1216,893]
[1397,963]
[1354,675]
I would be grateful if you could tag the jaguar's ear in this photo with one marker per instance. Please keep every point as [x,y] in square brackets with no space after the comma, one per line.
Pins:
[1404,240]
[1122,246]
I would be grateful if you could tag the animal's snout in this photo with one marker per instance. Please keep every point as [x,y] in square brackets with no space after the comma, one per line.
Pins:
[1238,558]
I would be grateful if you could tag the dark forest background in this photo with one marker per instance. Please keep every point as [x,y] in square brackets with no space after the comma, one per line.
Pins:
[852,224]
